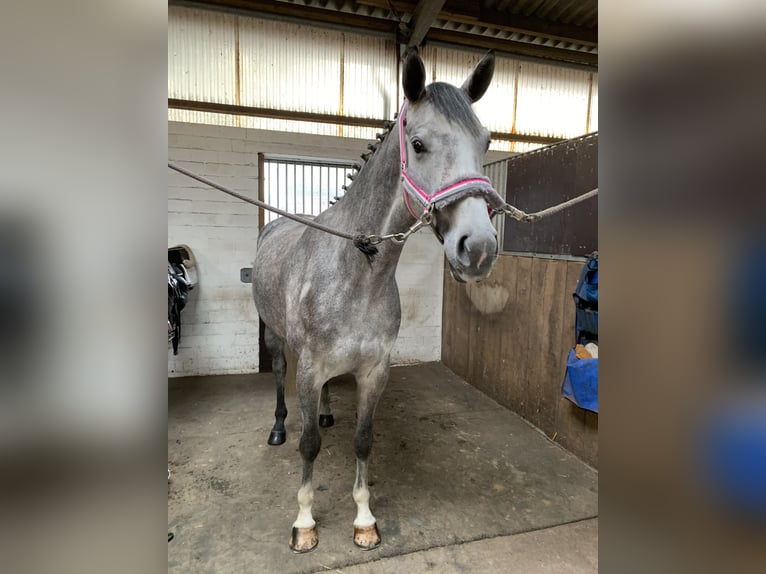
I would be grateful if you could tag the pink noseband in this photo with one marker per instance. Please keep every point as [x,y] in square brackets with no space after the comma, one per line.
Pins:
[449,193]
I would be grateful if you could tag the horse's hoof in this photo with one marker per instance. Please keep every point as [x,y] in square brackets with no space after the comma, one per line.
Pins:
[304,540]
[367,537]
[326,421]
[277,437]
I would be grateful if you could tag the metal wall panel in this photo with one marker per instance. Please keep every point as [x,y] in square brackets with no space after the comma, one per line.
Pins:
[369,77]
[552,101]
[593,119]
[497,172]
[201,55]
[548,177]
[524,98]
[287,66]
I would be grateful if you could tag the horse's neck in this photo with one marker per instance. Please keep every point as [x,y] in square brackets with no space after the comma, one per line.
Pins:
[373,204]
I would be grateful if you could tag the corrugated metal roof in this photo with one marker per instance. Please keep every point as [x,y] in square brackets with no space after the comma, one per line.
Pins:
[500,34]
[578,12]
[275,65]
[282,63]
[562,29]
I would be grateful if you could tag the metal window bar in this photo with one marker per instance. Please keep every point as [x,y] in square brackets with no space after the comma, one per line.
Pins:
[318,182]
[302,185]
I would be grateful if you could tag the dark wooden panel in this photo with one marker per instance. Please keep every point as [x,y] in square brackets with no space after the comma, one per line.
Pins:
[489,317]
[517,338]
[570,425]
[510,335]
[547,177]
[576,428]
[570,419]
[590,442]
[552,357]
[478,342]
[455,326]
[537,333]
[449,325]
[508,349]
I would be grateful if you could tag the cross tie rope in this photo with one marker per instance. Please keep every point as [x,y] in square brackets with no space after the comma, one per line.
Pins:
[366,243]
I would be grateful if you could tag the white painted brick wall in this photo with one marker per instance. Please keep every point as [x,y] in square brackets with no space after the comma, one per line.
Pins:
[220,323]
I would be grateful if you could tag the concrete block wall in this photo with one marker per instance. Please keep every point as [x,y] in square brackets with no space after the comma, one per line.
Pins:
[220,322]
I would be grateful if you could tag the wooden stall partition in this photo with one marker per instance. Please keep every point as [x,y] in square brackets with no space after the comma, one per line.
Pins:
[509,336]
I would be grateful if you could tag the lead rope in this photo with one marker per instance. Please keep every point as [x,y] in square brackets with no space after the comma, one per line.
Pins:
[519,215]
[366,243]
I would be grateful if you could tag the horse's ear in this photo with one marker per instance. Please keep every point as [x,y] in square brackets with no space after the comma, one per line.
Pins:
[414,76]
[478,82]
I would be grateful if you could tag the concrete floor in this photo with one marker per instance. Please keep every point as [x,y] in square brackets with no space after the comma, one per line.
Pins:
[459,483]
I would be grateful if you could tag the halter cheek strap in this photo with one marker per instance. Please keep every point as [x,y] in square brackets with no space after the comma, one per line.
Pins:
[476,185]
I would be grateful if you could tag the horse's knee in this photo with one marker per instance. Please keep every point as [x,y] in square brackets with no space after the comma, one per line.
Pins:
[363,442]
[278,365]
[311,442]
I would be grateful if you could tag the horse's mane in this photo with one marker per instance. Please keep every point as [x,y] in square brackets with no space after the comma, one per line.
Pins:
[371,149]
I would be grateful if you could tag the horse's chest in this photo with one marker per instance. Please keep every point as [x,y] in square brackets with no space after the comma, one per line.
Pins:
[345,330]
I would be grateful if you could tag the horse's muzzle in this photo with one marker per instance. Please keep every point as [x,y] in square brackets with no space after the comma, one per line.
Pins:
[473,258]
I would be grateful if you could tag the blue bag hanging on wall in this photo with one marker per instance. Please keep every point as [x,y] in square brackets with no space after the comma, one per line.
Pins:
[581,382]
[581,379]
[586,302]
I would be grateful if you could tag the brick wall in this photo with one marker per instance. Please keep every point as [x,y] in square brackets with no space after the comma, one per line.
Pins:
[220,323]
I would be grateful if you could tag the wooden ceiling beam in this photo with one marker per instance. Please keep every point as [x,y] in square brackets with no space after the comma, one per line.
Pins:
[216,108]
[422,18]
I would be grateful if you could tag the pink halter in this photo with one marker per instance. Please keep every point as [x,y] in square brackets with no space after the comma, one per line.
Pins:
[438,199]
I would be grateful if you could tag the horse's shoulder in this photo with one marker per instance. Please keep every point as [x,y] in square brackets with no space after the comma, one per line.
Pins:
[281,226]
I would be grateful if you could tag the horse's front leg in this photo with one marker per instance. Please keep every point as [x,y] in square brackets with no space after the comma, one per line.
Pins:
[370,386]
[325,416]
[304,534]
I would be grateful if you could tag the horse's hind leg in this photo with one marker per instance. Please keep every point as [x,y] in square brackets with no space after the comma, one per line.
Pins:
[278,367]
[369,387]
[304,535]
[325,416]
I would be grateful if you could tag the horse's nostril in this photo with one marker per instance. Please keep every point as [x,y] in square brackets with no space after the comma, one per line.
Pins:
[462,252]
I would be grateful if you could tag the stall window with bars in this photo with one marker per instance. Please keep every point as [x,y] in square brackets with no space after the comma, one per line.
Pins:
[303,186]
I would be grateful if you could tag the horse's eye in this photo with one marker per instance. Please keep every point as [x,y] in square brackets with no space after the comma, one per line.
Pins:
[418,146]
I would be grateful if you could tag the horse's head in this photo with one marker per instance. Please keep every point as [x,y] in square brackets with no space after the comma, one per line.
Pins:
[443,147]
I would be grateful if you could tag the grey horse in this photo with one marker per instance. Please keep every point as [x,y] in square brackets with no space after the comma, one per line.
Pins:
[337,310]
